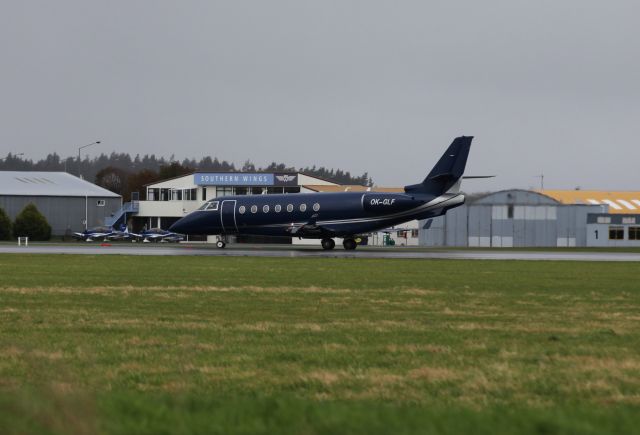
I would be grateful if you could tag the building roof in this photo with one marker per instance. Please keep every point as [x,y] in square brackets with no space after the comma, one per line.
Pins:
[31,183]
[624,202]
[350,188]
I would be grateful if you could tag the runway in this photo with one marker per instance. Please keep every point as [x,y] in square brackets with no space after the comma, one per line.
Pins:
[289,251]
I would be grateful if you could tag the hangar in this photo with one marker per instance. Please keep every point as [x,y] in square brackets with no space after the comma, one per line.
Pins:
[69,203]
[526,218]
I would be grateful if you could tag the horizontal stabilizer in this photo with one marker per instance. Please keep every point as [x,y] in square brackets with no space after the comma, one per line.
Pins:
[470,177]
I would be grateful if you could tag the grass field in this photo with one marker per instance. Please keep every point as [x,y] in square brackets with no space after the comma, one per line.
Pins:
[117,344]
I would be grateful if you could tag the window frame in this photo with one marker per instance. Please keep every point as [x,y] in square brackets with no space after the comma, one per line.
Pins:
[615,231]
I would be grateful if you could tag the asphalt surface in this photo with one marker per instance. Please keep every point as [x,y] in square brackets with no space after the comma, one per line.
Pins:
[316,252]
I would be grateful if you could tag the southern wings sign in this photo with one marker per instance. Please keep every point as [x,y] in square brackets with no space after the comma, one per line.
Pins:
[244,179]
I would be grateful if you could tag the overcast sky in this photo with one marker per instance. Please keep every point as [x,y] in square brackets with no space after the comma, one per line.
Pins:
[545,86]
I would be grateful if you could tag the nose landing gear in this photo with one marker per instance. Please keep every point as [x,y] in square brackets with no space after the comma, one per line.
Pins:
[220,244]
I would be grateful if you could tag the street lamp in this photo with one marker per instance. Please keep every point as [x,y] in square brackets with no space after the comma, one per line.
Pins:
[80,148]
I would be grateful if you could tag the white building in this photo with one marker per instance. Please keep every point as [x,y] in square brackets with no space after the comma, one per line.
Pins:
[168,200]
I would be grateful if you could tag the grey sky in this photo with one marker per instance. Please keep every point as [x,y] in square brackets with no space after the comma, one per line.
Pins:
[549,86]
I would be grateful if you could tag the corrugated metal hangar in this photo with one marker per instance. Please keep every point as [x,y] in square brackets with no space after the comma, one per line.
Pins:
[65,200]
[524,218]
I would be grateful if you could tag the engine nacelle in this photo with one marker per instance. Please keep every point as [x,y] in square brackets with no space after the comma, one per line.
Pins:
[383,203]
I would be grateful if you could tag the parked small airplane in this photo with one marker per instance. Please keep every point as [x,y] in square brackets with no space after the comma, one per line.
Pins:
[104,233]
[158,235]
[327,215]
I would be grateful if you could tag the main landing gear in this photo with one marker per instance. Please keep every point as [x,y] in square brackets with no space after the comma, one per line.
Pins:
[348,243]
[222,242]
[328,244]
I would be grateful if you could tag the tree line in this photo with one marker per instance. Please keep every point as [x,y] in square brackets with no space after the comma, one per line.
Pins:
[123,174]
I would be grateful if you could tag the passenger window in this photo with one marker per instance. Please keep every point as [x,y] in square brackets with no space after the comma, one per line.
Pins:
[290,208]
[277,208]
[265,209]
[303,207]
[242,209]
[316,207]
[254,209]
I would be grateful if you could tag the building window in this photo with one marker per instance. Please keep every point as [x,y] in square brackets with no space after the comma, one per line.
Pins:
[254,209]
[176,194]
[316,207]
[303,207]
[153,194]
[258,190]
[616,233]
[272,190]
[224,191]
[414,233]
[204,193]
[510,212]
[277,208]
[165,194]
[629,220]
[634,233]
[242,191]
[265,209]
[290,208]
[242,209]
[604,220]
[100,202]
[190,194]
[294,189]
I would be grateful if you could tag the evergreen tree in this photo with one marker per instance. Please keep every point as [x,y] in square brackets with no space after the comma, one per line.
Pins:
[5,226]
[31,223]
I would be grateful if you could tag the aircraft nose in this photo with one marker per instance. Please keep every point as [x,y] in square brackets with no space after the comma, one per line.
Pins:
[180,226]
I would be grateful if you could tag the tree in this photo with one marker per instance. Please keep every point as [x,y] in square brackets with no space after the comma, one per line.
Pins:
[31,223]
[5,226]
[113,179]
[137,182]
[173,170]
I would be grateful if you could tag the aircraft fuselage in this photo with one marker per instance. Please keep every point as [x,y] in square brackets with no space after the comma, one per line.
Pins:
[312,215]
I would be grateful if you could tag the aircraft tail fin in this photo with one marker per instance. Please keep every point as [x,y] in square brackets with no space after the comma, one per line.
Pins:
[447,173]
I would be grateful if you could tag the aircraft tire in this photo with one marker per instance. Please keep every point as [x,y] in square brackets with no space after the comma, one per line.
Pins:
[349,244]
[220,244]
[328,244]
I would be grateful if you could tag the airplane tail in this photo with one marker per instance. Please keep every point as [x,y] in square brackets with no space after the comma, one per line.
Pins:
[447,173]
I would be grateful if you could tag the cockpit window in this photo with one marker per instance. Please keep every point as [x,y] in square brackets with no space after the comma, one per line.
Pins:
[209,206]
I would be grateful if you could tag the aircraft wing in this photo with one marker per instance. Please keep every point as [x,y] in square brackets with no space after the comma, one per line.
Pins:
[310,228]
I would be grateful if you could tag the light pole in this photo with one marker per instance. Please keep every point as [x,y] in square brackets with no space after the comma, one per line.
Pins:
[80,148]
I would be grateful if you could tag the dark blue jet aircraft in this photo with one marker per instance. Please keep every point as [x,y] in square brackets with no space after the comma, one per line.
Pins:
[327,215]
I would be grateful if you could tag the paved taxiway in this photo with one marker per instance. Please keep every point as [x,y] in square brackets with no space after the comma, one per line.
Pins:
[309,252]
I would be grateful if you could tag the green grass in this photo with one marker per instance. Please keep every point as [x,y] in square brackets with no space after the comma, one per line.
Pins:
[119,344]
